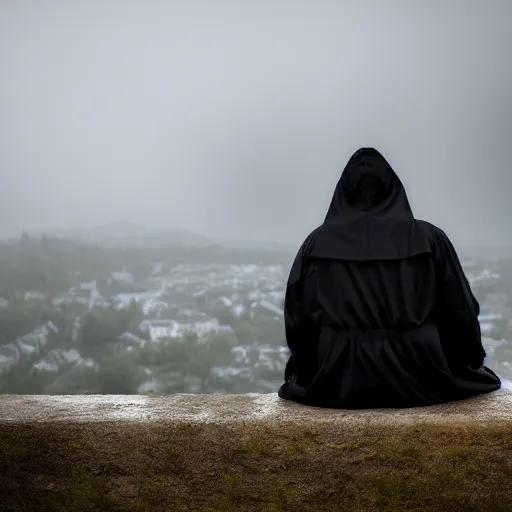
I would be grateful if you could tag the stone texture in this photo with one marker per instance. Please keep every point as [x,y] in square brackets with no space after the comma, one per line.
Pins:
[251,453]
[219,408]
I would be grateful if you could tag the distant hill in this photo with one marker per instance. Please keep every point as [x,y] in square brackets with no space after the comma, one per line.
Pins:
[128,235]
[125,234]
[484,252]
[122,234]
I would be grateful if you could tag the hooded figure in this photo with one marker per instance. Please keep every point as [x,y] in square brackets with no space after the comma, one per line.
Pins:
[378,311]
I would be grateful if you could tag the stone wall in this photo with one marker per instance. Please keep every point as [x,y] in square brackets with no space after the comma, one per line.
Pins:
[251,453]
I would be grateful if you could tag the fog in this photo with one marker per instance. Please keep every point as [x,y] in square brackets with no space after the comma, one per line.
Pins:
[235,119]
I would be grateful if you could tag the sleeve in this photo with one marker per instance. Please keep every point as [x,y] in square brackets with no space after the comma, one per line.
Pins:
[457,309]
[301,332]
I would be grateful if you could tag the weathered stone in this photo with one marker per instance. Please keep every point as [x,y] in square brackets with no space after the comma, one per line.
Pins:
[251,453]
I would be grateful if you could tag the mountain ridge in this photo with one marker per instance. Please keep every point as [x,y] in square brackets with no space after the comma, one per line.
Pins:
[126,234]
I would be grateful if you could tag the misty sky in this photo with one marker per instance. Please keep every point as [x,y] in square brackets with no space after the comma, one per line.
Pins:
[235,118]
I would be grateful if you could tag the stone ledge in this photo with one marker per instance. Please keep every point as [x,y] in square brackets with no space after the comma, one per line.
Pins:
[251,453]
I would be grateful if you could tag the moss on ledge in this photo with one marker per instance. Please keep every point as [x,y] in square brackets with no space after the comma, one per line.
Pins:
[229,453]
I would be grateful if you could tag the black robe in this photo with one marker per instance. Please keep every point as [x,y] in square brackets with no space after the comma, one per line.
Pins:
[378,311]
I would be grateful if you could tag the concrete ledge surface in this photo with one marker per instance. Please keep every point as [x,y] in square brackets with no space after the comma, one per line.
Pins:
[251,453]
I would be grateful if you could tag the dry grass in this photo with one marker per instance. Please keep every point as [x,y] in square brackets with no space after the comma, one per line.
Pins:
[260,467]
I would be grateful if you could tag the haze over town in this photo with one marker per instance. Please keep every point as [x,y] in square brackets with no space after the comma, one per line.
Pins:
[176,154]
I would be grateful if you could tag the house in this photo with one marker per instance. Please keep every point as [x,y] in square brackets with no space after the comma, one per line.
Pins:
[34,296]
[9,356]
[123,277]
[160,329]
[226,372]
[27,344]
[57,358]
[123,300]
[267,306]
[89,286]
[129,341]
[491,322]
[154,306]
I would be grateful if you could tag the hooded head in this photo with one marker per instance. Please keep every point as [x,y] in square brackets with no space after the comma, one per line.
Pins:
[369,216]
[368,185]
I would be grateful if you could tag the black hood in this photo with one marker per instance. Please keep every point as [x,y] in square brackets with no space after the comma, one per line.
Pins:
[369,216]
[369,184]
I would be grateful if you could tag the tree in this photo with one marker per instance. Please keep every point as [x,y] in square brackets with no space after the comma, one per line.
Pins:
[119,375]
[19,378]
[100,328]
[220,344]
[23,316]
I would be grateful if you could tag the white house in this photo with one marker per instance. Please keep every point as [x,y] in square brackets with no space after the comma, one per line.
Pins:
[161,329]
[165,329]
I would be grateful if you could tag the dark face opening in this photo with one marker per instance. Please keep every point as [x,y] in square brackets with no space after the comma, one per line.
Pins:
[369,192]
[367,180]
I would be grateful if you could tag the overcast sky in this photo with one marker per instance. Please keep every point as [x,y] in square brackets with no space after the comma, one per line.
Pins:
[236,118]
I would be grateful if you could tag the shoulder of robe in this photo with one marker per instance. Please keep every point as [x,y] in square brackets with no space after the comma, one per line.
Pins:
[308,243]
[305,248]
[436,234]
[302,256]
[442,247]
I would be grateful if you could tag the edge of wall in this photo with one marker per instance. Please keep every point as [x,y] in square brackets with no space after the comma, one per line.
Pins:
[251,453]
